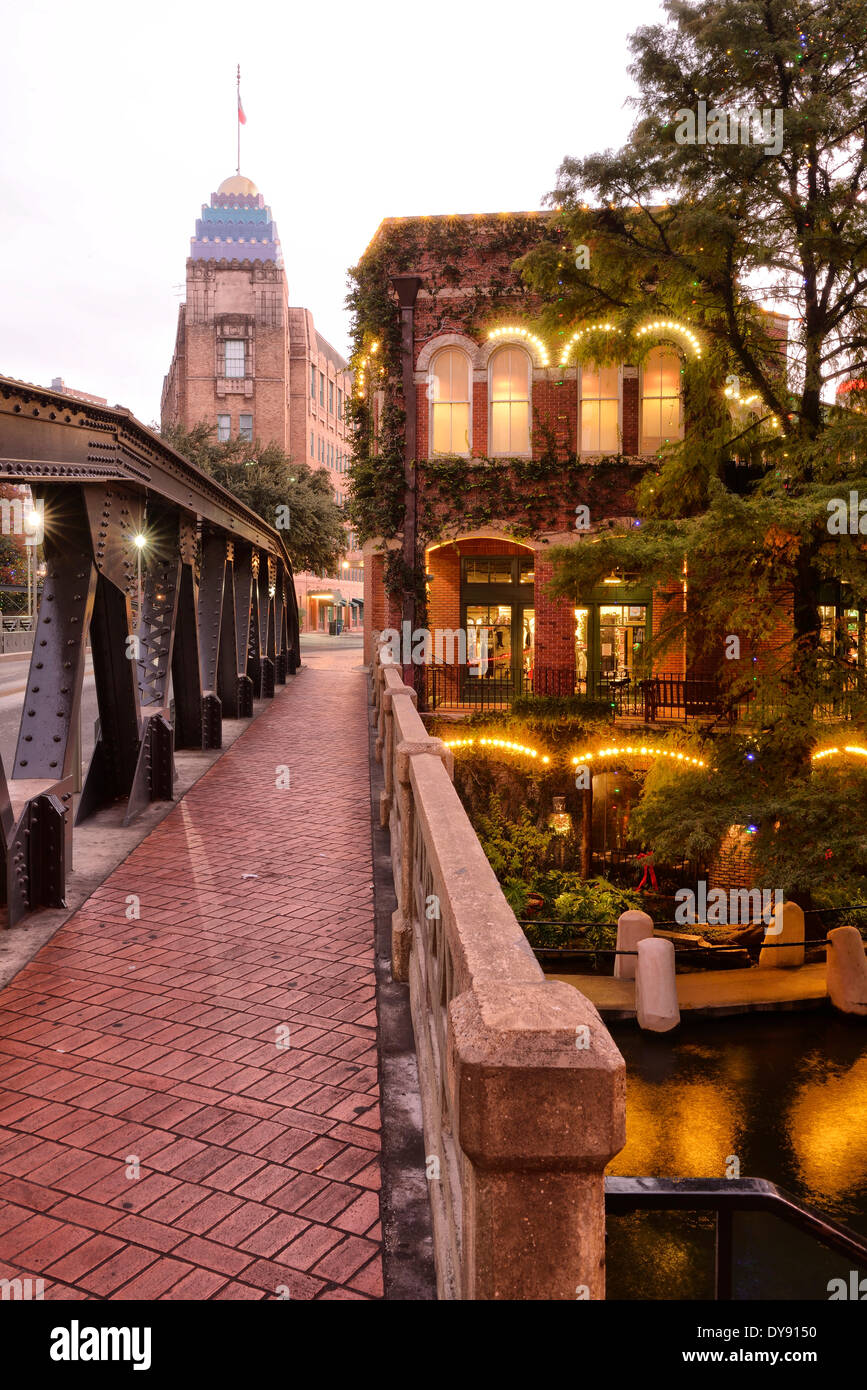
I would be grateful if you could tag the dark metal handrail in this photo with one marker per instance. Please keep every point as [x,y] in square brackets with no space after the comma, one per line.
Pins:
[725,1197]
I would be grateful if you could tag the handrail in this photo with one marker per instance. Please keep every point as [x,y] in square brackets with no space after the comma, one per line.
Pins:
[725,1196]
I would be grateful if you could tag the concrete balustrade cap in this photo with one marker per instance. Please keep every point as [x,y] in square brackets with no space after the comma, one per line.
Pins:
[526,1095]
[393,694]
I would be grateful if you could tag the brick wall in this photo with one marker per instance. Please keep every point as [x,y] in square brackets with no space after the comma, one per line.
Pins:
[555,630]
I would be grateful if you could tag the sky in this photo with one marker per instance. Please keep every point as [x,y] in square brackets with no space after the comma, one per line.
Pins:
[120,122]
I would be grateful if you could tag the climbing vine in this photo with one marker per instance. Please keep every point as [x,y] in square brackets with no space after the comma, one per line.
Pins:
[446,252]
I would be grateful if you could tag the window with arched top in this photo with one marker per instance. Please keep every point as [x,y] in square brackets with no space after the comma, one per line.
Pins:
[449,390]
[660,399]
[600,409]
[510,378]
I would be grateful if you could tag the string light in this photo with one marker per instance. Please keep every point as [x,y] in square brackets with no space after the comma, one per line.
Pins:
[593,328]
[638,752]
[848,748]
[497,743]
[671,326]
[513,332]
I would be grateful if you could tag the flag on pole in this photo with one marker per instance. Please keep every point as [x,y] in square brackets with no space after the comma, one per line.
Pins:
[241,117]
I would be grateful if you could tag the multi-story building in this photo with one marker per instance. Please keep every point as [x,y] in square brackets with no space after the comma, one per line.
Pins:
[249,364]
[523,443]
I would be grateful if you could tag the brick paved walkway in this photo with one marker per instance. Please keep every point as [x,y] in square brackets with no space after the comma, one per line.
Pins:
[158,1039]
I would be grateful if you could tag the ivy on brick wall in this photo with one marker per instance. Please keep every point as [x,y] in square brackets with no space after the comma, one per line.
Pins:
[464,491]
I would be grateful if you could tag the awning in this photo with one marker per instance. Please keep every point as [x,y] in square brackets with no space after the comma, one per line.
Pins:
[357,602]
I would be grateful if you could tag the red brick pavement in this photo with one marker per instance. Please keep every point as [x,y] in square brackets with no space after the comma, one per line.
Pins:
[155,1140]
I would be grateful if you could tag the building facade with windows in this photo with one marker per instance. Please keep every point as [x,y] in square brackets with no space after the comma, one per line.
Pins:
[250,365]
[523,442]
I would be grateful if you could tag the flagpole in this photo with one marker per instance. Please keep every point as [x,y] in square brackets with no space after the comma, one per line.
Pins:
[238,117]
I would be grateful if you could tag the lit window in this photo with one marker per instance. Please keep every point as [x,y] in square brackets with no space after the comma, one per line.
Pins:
[245,428]
[599,409]
[313,382]
[234,358]
[660,399]
[224,427]
[450,403]
[510,401]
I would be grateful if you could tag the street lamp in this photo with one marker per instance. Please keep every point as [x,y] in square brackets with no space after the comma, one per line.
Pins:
[139,541]
[32,524]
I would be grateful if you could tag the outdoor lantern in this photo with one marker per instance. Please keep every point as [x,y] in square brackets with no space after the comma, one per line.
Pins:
[560,820]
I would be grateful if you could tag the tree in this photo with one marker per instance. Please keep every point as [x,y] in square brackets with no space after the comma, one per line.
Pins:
[270,482]
[708,232]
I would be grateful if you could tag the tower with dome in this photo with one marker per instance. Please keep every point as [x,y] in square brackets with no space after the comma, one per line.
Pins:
[248,364]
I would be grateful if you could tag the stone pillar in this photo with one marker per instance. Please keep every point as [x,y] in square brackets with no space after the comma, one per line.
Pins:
[785,938]
[847,970]
[533,1221]
[403,919]
[656,986]
[632,927]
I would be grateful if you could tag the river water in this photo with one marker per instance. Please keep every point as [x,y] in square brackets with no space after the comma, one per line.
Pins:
[771,1095]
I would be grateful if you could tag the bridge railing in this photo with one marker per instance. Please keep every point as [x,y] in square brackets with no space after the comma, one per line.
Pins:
[523,1089]
[183,595]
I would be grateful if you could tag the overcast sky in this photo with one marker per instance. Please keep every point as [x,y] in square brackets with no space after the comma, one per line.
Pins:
[119,122]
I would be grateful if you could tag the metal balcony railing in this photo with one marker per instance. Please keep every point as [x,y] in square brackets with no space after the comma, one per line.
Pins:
[725,1198]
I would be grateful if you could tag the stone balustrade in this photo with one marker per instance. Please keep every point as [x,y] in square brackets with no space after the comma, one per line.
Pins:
[523,1088]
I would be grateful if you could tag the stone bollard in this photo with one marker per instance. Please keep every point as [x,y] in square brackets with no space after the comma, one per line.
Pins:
[656,986]
[632,927]
[785,938]
[847,970]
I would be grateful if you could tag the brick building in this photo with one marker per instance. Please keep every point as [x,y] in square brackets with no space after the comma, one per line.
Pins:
[249,364]
[541,435]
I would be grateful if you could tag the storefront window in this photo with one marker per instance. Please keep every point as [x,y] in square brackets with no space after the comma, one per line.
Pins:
[621,637]
[496,621]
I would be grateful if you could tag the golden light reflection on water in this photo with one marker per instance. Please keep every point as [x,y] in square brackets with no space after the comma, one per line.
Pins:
[827,1123]
[686,1129]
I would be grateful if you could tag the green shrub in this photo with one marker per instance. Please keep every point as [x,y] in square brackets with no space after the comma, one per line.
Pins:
[515,849]
[580,707]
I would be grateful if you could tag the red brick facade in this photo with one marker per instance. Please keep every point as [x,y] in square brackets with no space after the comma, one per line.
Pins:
[472,301]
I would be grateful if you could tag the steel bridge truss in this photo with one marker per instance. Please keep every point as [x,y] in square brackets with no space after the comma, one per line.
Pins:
[170,578]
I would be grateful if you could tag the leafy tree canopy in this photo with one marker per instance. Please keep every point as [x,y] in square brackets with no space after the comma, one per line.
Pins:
[266,479]
[712,235]
[722,236]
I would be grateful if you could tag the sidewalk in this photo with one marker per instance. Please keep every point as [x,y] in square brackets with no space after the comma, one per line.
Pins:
[188,1101]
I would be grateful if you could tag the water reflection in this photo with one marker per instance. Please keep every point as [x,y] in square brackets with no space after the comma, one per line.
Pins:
[785,1094]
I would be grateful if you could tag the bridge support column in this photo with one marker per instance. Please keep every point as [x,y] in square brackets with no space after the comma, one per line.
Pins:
[210,614]
[186,675]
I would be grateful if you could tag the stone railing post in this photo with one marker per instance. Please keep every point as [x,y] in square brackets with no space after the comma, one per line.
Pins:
[539,1120]
[386,797]
[403,919]
[382,690]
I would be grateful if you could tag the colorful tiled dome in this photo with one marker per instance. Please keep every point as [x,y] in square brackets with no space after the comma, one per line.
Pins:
[236,226]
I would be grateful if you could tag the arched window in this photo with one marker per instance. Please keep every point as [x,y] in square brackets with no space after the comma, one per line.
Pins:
[600,409]
[510,401]
[660,399]
[450,402]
